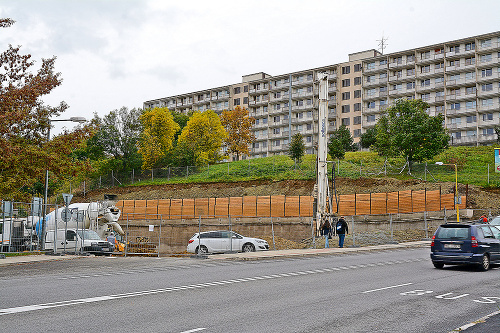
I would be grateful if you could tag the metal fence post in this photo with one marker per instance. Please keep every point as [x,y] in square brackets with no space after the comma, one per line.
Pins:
[159,240]
[199,236]
[313,234]
[272,231]
[426,226]
[126,238]
[231,239]
[390,227]
[444,215]
[353,235]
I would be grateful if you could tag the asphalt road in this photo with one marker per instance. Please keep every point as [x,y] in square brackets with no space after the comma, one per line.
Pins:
[387,291]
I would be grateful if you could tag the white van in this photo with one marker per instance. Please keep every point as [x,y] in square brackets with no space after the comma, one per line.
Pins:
[76,241]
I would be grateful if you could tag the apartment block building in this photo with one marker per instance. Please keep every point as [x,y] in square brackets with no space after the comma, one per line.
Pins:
[459,79]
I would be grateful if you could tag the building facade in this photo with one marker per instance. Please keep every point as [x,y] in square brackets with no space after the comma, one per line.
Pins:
[459,79]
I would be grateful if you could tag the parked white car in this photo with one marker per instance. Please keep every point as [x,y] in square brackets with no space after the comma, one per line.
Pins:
[224,241]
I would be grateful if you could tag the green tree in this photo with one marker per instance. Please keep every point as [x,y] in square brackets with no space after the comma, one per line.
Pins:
[297,148]
[497,132]
[238,126]
[114,146]
[157,136]
[203,137]
[25,151]
[407,130]
[369,138]
[340,141]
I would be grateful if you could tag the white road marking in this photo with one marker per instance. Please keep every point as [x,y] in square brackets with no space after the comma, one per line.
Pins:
[379,289]
[28,308]
[195,330]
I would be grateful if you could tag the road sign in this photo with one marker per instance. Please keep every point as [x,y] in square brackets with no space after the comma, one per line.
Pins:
[67,198]
[66,214]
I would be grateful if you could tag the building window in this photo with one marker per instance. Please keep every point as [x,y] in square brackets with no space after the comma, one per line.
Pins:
[410,58]
[357,106]
[470,61]
[309,77]
[256,145]
[424,83]
[425,69]
[487,87]
[356,133]
[486,57]
[455,106]
[264,144]
[470,76]
[357,67]
[370,105]
[346,108]
[346,82]
[264,120]
[346,121]
[370,78]
[356,120]
[309,138]
[488,131]
[486,43]
[471,119]
[439,65]
[236,101]
[276,143]
[357,93]
[245,88]
[486,72]
[383,75]
[237,90]
[245,100]
[487,116]
[257,121]
[470,46]
[346,96]
[346,69]
[471,133]
[439,80]
[264,109]
[410,85]
[425,97]
[370,118]
[276,119]
[357,80]
[382,89]
[471,104]
[308,127]
[370,66]
[410,72]
[383,62]
[276,130]
[485,102]
[455,48]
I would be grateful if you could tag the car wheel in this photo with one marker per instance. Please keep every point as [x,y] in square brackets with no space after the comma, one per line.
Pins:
[438,265]
[485,263]
[248,247]
[202,249]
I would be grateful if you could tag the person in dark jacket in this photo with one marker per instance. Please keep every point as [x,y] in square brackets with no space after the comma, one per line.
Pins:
[325,231]
[341,229]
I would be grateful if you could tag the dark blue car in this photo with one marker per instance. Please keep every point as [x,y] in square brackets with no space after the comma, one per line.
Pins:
[455,244]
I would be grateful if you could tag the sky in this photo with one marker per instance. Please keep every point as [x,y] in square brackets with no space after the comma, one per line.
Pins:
[115,53]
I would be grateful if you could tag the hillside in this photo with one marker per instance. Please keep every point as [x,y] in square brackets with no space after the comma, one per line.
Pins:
[478,198]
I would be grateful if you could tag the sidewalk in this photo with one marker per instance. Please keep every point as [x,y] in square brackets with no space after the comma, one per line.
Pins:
[311,252]
[239,256]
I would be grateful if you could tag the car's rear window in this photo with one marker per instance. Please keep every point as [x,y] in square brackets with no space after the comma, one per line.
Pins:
[453,233]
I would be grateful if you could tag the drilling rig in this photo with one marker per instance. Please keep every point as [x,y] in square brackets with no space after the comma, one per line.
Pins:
[323,200]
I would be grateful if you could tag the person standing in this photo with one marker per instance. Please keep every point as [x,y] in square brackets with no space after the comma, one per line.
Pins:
[325,231]
[341,229]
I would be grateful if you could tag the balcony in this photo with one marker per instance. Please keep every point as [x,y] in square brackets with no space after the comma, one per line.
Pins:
[461,111]
[494,75]
[489,107]
[375,82]
[489,93]
[489,46]
[464,140]
[487,138]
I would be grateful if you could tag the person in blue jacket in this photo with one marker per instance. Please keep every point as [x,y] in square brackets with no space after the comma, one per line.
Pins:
[341,229]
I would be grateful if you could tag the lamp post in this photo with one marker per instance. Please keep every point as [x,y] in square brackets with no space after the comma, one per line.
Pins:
[41,243]
[456,187]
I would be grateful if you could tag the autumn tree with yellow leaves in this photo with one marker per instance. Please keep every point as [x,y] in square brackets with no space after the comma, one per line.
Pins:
[157,136]
[203,136]
[238,125]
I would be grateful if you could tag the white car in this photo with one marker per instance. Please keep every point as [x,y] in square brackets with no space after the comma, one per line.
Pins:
[224,241]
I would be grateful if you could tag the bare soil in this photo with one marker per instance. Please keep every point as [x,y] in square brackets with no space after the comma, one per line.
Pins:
[477,197]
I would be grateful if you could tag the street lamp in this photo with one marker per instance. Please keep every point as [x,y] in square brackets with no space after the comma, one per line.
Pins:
[456,187]
[41,243]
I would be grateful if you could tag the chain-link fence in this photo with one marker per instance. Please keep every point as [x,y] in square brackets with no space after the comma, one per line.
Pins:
[248,169]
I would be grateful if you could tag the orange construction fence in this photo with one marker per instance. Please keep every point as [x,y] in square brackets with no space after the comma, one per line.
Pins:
[287,206]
